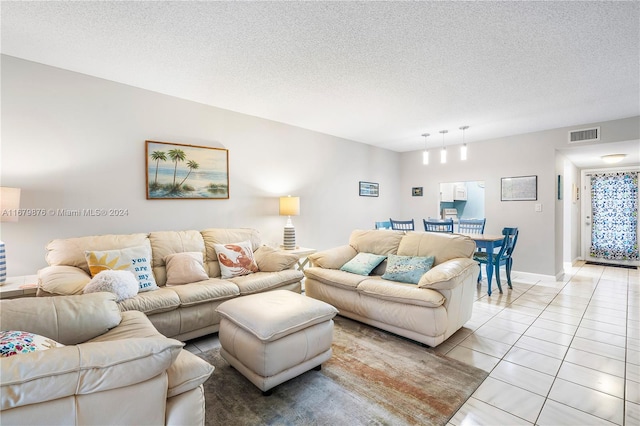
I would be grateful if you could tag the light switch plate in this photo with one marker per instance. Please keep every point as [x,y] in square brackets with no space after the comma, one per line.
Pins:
[538,207]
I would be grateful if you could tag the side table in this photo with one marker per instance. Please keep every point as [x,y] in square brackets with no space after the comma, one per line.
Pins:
[302,253]
[14,287]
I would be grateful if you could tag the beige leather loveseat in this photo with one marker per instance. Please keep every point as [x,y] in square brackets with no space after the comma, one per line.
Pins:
[182,311]
[113,368]
[428,312]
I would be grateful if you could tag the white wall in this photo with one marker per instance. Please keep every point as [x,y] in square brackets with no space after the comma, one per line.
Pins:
[75,141]
[540,242]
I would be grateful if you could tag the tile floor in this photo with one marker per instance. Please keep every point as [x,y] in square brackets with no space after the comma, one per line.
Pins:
[557,353]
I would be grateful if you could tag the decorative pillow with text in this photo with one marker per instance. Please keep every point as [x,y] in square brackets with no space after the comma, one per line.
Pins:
[134,259]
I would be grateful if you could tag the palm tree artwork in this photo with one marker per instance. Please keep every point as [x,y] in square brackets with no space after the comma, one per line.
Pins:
[157,156]
[177,171]
[176,155]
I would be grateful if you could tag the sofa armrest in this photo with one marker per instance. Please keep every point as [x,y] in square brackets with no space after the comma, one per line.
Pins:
[449,274]
[63,280]
[187,372]
[333,258]
[66,319]
[83,369]
[271,260]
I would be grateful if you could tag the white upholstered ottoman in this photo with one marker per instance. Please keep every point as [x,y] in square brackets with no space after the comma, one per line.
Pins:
[275,336]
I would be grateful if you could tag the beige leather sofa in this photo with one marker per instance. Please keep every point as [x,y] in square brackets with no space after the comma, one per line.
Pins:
[183,311]
[428,312]
[114,368]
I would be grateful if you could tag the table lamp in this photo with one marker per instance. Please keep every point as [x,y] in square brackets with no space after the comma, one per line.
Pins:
[289,206]
[9,204]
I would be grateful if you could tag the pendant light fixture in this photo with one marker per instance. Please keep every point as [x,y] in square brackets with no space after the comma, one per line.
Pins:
[463,148]
[425,154]
[443,152]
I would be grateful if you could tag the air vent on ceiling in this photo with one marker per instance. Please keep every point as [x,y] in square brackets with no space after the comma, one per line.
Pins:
[584,135]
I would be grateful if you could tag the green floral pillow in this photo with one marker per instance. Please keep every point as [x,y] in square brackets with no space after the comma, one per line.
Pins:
[407,269]
[363,263]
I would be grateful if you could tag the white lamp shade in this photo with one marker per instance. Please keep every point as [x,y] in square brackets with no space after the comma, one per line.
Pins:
[9,203]
[289,206]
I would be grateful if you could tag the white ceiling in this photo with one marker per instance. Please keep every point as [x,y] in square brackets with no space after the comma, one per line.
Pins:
[380,73]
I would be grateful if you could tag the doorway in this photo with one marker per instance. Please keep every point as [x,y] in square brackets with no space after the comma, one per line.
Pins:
[610,216]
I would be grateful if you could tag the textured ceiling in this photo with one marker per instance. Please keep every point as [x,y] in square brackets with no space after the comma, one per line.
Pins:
[381,73]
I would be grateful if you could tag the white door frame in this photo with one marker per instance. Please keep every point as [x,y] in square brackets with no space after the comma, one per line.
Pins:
[585,212]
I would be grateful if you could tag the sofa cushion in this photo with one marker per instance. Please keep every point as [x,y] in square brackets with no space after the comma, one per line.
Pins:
[263,281]
[402,293]
[407,269]
[185,268]
[236,259]
[271,260]
[70,251]
[335,277]
[206,291]
[442,246]
[134,259]
[375,241]
[333,258]
[14,342]
[363,263]
[164,243]
[150,302]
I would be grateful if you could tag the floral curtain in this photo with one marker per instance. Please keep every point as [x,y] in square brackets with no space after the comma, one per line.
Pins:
[614,200]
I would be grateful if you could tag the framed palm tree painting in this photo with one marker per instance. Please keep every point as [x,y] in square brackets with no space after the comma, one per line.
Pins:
[176,171]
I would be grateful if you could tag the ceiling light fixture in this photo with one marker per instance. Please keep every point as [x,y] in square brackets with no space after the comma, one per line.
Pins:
[443,152]
[425,154]
[613,158]
[463,148]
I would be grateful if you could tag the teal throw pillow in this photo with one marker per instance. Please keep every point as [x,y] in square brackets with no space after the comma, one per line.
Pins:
[363,263]
[407,269]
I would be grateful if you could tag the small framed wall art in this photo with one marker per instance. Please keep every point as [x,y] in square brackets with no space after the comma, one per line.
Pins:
[416,191]
[369,189]
[519,188]
[176,171]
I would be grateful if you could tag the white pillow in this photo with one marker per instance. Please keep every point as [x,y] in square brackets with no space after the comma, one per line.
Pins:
[185,268]
[22,342]
[121,283]
[235,259]
[134,259]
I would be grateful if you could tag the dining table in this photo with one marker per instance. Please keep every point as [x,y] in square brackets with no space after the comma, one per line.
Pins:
[488,242]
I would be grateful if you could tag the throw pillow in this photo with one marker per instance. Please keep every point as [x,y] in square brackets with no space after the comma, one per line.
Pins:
[185,268]
[407,269]
[134,259]
[363,263]
[22,342]
[235,259]
[269,259]
[121,283]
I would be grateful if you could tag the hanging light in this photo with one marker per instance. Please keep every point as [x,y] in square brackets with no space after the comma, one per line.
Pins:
[443,152]
[425,154]
[463,148]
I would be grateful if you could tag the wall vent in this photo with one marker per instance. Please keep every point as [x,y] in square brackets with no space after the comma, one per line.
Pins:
[584,135]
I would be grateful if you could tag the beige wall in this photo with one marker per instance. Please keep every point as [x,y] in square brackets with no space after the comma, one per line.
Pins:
[74,141]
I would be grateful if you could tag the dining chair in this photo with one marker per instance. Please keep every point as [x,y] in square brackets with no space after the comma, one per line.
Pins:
[383,225]
[503,257]
[402,225]
[471,226]
[438,225]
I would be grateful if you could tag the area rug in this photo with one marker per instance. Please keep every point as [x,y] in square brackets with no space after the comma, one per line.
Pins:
[373,378]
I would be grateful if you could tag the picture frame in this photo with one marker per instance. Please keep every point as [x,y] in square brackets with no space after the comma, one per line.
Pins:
[179,172]
[519,188]
[369,189]
[416,191]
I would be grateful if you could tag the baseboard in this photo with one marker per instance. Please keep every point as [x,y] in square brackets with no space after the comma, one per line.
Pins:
[529,276]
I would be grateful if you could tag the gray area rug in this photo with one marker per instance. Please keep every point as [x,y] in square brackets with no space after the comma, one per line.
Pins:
[373,378]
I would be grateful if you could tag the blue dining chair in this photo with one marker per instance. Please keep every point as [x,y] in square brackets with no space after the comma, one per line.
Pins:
[471,226]
[503,257]
[437,225]
[383,225]
[402,225]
